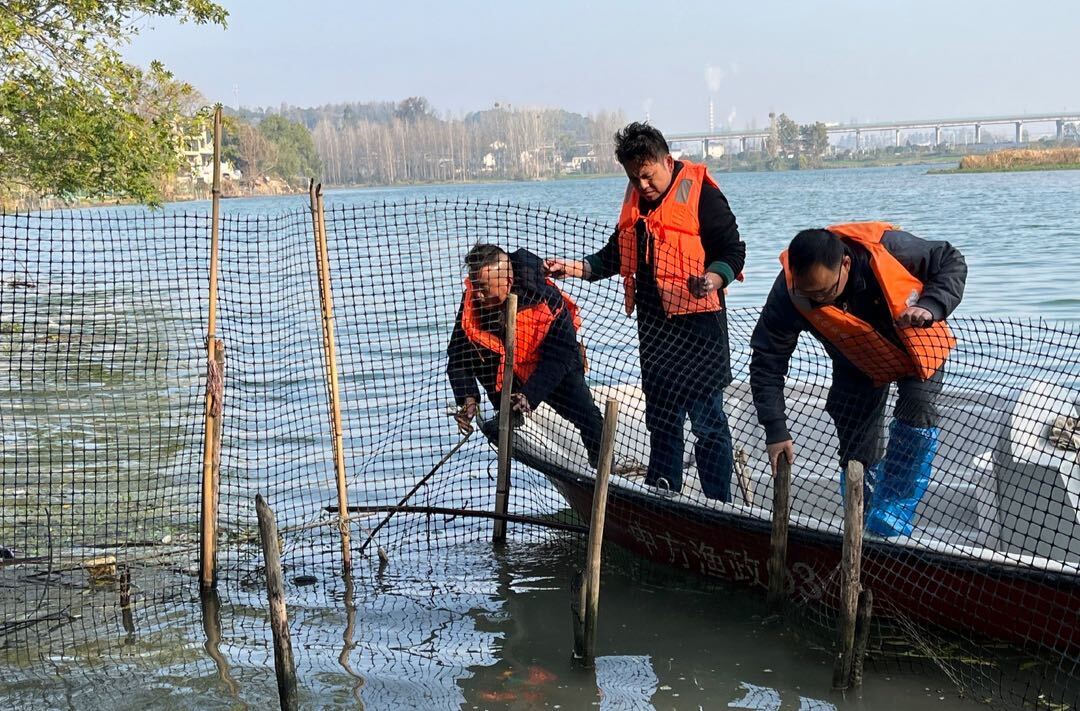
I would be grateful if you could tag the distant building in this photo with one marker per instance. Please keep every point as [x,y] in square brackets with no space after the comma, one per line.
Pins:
[198,151]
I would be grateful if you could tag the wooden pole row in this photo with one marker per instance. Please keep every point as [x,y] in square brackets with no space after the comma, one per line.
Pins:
[856,604]
[585,589]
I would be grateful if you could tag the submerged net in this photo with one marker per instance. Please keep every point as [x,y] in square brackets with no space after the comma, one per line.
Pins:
[102,346]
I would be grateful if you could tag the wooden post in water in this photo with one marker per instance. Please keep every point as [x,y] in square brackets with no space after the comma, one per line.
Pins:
[778,541]
[850,565]
[208,512]
[577,612]
[862,635]
[502,487]
[284,666]
[596,530]
[326,300]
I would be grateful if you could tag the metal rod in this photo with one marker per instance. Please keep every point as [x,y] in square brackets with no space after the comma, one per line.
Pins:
[778,541]
[208,527]
[596,530]
[502,488]
[850,565]
[284,665]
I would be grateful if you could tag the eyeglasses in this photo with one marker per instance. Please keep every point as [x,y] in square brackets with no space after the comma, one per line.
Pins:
[825,294]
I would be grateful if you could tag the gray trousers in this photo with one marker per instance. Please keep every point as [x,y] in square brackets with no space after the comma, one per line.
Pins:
[857,409]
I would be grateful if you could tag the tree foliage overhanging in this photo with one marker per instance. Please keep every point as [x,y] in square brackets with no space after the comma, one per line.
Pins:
[75,119]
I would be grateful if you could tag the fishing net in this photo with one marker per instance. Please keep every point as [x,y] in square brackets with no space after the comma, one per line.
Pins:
[103,328]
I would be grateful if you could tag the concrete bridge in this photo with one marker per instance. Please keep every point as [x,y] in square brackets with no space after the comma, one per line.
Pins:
[761,136]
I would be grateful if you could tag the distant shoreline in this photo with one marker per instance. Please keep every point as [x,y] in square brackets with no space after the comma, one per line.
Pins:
[1006,169]
[1018,160]
[715,166]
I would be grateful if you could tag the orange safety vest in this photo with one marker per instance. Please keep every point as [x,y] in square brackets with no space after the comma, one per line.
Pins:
[532,326]
[925,349]
[675,232]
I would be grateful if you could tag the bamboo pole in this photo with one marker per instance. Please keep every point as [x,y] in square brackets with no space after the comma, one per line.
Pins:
[849,575]
[596,530]
[284,665]
[502,488]
[778,541]
[215,457]
[208,528]
[326,299]
[347,643]
[211,621]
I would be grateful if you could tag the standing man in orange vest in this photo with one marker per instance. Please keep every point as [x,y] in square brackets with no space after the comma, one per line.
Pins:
[677,247]
[548,362]
[877,298]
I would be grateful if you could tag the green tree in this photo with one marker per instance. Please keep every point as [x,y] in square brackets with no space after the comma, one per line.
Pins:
[814,138]
[414,109]
[75,119]
[788,134]
[295,157]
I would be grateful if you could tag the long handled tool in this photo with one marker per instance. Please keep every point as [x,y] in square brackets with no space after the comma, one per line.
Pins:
[416,488]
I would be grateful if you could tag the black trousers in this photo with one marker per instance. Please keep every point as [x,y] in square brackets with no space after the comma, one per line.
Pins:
[857,409]
[572,400]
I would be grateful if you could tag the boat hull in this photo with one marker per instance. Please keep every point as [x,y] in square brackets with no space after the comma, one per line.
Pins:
[1032,609]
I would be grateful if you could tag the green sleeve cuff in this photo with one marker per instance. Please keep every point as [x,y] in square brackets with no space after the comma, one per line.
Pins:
[724,270]
[594,263]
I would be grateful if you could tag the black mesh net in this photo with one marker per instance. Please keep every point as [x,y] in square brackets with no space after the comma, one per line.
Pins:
[103,349]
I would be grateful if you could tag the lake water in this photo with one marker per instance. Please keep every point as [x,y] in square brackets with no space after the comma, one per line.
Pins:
[475,627]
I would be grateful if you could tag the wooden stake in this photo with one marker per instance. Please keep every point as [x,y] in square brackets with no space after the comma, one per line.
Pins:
[577,612]
[850,565]
[742,473]
[208,528]
[502,487]
[326,299]
[862,635]
[596,530]
[284,666]
[779,540]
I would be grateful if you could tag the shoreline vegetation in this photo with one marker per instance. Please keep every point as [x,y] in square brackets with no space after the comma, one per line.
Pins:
[1014,160]
[270,187]
[1007,160]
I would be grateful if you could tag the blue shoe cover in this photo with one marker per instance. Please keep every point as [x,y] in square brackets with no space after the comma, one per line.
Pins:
[902,478]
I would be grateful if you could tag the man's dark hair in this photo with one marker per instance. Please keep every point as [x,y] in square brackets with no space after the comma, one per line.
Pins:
[812,247]
[481,256]
[640,143]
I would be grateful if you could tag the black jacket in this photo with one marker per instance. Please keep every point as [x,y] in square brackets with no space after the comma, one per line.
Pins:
[468,363]
[938,265]
[684,357]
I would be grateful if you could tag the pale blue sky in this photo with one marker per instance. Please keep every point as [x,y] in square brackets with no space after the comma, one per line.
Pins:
[828,60]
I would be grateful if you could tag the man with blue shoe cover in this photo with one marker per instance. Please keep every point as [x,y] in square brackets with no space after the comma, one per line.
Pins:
[877,298]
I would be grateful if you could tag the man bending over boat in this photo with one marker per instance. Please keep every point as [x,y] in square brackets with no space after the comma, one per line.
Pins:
[876,297]
[548,362]
[677,247]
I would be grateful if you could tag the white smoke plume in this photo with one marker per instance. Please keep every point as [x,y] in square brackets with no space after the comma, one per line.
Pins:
[714,76]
